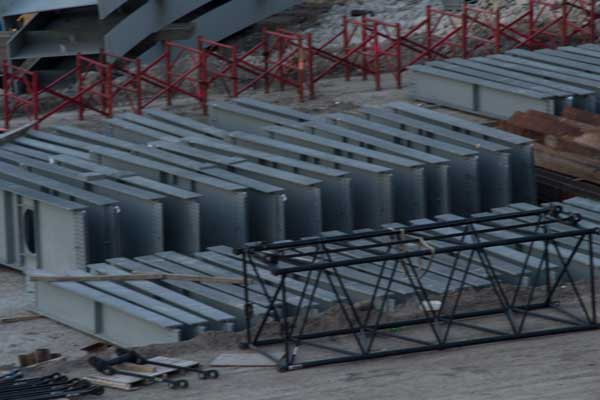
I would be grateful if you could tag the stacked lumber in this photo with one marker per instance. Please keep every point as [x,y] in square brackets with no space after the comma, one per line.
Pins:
[567,144]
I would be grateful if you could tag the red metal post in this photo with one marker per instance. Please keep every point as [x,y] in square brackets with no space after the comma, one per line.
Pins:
[429,33]
[5,94]
[346,40]
[203,74]
[377,55]
[281,46]
[169,71]
[109,101]
[35,99]
[138,87]
[79,78]
[498,31]
[234,72]
[300,40]
[267,56]
[531,20]
[399,66]
[593,18]
[108,84]
[364,44]
[310,65]
[564,23]
[465,31]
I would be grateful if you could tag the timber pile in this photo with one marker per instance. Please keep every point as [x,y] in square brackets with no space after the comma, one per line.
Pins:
[568,144]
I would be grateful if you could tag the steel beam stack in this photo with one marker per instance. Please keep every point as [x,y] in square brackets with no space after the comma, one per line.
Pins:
[285,174]
[522,171]
[163,193]
[511,238]
[499,85]
[459,165]
[409,176]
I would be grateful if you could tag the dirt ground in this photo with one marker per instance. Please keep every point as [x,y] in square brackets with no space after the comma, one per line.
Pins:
[558,367]
[27,336]
[554,367]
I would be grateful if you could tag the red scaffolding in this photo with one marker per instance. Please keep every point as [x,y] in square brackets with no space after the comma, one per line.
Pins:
[20,93]
[87,86]
[364,46]
[219,64]
[280,57]
[544,24]
[126,80]
[178,70]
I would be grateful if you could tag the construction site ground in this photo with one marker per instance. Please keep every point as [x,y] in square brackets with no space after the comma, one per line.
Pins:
[560,367]
[553,367]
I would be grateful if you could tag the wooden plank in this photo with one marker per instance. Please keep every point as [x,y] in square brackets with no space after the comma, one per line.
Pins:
[19,318]
[174,361]
[120,382]
[136,277]
[158,371]
[129,383]
[137,368]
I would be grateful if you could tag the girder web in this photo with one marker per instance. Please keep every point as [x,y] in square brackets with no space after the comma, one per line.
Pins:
[461,281]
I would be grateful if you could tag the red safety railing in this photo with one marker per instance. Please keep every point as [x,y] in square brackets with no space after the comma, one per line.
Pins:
[364,46]
[219,65]
[480,33]
[126,80]
[281,56]
[386,50]
[358,48]
[547,24]
[94,87]
[20,93]
[178,70]
[474,31]
[87,86]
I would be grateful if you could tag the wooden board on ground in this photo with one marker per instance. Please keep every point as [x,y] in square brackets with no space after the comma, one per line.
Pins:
[135,277]
[245,359]
[19,318]
[137,368]
[120,382]
[174,361]
[55,358]
[124,382]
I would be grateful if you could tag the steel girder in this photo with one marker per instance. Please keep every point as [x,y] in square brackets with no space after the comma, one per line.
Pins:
[405,311]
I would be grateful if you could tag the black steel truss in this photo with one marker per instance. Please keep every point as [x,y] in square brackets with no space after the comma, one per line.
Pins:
[422,287]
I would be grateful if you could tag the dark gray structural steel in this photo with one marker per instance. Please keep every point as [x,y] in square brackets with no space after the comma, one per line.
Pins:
[60,29]
[499,85]
[452,317]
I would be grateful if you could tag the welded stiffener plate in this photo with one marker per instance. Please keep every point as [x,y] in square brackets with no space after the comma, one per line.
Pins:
[431,287]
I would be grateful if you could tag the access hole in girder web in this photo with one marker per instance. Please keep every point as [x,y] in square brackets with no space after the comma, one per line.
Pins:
[29,230]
